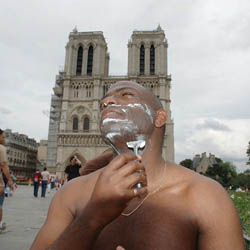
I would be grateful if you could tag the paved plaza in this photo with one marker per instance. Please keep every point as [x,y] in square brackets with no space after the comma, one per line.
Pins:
[24,215]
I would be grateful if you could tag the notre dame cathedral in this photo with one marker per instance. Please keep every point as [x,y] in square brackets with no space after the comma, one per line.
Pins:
[74,112]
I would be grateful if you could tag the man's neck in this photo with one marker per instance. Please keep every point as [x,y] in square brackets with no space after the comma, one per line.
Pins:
[154,165]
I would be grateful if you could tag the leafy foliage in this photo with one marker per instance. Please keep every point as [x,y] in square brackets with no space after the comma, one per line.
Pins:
[248,153]
[187,163]
[241,180]
[242,203]
[223,172]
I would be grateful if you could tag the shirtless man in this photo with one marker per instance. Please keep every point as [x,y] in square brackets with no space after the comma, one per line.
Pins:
[174,209]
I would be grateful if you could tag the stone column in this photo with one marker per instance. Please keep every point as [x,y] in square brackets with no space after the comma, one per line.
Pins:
[106,73]
[84,61]
[129,58]
[134,60]
[95,108]
[161,59]
[169,140]
[65,101]
[66,64]
[147,60]
[165,58]
[73,61]
[157,59]
[96,60]
[69,68]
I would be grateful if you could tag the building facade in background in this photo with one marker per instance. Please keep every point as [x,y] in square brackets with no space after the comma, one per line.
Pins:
[201,163]
[22,153]
[42,153]
[74,112]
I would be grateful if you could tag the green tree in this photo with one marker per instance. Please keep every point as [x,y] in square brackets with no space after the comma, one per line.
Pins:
[241,180]
[223,172]
[187,163]
[219,160]
[248,153]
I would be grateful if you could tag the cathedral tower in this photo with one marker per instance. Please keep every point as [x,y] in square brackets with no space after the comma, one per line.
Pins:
[74,115]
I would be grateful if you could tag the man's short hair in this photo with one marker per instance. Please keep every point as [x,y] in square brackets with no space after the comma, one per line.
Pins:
[1,131]
[71,158]
[44,169]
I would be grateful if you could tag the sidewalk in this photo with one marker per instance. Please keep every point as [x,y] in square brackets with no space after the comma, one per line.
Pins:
[24,215]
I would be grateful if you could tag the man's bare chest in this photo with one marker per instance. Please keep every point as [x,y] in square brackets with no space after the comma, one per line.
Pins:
[150,227]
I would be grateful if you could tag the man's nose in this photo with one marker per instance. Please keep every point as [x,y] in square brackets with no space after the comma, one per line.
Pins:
[110,100]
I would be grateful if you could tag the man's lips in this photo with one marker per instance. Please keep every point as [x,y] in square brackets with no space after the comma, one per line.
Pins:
[110,113]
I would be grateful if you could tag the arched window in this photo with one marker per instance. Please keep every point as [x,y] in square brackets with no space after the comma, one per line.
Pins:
[90,61]
[79,61]
[86,124]
[152,60]
[142,60]
[75,124]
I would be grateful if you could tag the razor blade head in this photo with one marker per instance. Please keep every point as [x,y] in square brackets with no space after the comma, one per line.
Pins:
[136,144]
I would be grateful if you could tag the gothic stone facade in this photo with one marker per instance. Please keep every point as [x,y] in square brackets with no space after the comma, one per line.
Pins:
[74,114]
[202,163]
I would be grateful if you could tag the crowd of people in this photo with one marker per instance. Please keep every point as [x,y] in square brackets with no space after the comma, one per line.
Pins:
[48,181]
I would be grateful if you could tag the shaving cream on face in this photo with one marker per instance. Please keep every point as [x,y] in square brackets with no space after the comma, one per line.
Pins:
[136,124]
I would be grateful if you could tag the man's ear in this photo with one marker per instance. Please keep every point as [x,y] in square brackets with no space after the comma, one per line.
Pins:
[161,118]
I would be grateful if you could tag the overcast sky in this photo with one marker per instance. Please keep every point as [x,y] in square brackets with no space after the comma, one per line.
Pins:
[209,60]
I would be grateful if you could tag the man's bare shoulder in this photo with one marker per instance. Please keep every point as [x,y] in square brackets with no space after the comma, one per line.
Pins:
[76,193]
[199,190]
[207,199]
[194,182]
[210,206]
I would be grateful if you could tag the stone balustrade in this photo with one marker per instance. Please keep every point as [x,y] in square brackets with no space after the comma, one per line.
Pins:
[73,139]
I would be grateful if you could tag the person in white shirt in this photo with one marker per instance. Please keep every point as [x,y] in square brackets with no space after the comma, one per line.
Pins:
[45,179]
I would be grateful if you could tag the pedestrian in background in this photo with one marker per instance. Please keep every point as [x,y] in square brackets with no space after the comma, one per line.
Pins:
[36,181]
[5,169]
[52,181]
[45,179]
[72,170]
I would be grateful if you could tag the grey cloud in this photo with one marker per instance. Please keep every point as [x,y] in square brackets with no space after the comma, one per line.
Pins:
[214,125]
[5,111]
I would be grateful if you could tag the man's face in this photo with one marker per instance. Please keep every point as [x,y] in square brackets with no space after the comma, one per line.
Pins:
[73,161]
[126,114]
[2,138]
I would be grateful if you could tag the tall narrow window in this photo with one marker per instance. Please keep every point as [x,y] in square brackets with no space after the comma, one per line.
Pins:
[90,61]
[152,60]
[79,61]
[86,124]
[142,60]
[75,124]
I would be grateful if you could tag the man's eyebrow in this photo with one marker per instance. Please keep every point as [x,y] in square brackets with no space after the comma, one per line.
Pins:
[117,90]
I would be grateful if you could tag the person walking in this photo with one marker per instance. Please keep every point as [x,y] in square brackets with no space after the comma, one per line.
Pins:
[45,179]
[4,169]
[73,170]
[36,180]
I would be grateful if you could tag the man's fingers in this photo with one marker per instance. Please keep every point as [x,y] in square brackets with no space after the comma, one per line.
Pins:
[135,178]
[138,192]
[132,167]
[121,160]
[120,248]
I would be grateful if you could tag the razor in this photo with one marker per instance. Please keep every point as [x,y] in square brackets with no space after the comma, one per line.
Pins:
[136,145]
